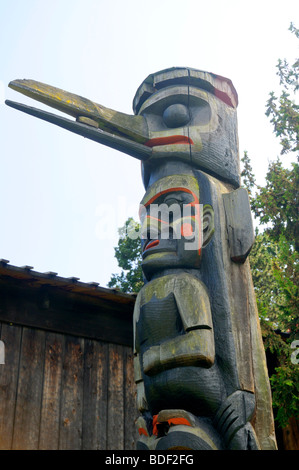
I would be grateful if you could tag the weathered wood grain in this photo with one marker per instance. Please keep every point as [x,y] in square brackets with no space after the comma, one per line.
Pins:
[95,395]
[50,407]
[130,409]
[239,224]
[241,321]
[291,435]
[65,392]
[70,436]
[115,408]
[29,391]
[11,336]
[64,312]
[250,369]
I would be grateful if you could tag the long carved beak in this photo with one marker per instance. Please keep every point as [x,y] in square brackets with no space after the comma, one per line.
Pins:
[127,133]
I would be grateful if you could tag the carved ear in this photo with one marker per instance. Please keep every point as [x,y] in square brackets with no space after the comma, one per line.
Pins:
[208,227]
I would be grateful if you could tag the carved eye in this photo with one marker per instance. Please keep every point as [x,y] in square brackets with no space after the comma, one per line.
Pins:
[176,115]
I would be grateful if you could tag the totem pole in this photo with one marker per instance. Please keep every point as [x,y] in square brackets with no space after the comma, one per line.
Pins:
[199,364]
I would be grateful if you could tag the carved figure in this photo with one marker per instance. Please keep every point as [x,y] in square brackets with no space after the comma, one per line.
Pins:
[200,367]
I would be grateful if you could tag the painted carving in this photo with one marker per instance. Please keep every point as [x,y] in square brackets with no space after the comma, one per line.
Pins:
[200,367]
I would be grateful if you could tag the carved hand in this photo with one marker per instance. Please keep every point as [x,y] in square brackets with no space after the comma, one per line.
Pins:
[195,348]
[151,360]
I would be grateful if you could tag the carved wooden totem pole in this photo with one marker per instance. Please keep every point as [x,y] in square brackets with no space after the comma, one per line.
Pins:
[200,366]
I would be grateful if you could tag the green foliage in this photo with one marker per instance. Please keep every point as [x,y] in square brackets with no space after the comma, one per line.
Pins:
[274,256]
[128,255]
[274,267]
[247,176]
[285,387]
[276,203]
[269,295]
[275,277]
[283,111]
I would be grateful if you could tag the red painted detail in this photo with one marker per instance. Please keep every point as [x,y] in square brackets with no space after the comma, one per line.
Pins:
[151,244]
[168,140]
[171,190]
[171,421]
[155,422]
[186,230]
[194,203]
[155,218]
[176,421]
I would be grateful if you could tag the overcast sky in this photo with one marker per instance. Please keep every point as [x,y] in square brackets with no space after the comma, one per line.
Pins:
[57,188]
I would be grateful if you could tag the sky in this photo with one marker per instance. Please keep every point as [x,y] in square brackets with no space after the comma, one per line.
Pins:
[63,197]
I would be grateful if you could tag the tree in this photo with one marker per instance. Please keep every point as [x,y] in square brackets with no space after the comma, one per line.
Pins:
[274,267]
[274,257]
[283,110]
[128,255]
[276,203]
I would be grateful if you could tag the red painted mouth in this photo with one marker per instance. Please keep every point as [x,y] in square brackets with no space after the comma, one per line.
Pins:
[151,244]
[172,139]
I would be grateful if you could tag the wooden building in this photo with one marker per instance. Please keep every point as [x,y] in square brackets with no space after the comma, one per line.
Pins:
[67,380]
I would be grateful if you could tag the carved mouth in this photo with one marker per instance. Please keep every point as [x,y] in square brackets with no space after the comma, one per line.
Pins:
[168,140]
[150,244]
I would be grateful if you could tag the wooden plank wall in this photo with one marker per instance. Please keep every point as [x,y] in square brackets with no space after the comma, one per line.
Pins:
[65,392]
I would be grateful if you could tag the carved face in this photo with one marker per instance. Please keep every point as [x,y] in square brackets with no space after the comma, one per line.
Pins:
[186,123]
[175,226]
[176,117]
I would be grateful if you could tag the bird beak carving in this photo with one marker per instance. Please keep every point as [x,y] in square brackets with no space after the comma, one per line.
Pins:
[123,132]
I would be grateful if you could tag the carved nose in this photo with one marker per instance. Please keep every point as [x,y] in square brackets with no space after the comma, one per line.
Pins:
[154,228]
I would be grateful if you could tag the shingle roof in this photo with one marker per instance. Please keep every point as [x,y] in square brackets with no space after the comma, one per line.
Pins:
[69,284]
